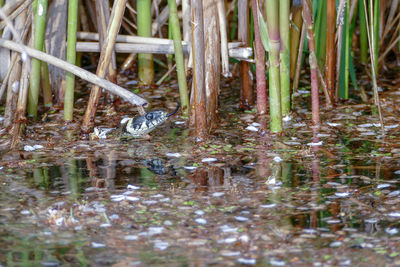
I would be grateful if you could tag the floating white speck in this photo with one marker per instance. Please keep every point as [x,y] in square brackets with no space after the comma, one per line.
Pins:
[209,160]
[244,238]
[228,253]
[131,237]
[25,212]
[105,225]
[230,240]
[157,195]
[365,125]
[150,202]
[132,199]
[252,128]
[155,230]
[179,122]
[131,82]
[371,220]
[38,146]
[200,221]
[380,186]
[332,221]
[335,244]
[190,168]
[166,199]
[24,56]
[394,193]
[397,172]
[114,217]
[101,132]
[255,124]
[199,212]
[268,206]
[391,126]
[303,91]
[287,118]
[323,135]
[277,159]
[275,262]
[161,245]
[392,231]
[241,219]
[334,124]
[174,155]
[299,124]
[342,194]
[291,143]
[29,148]
[227,229]
[98,245]
[133,187]
[316,143]
[394,214]
[247,261]
[309,231]
[117,198]
[271,180]
[218,194]
[368,133]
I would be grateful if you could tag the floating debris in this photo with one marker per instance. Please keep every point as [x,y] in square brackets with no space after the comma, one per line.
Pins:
[315,143]
[32,148]
[133,187]
[218,194]
[209,160]
[334,124]
[277,159]
[241,219]
[200,221]
[174,155]
[190,168]
[252,128]
[98,245]
[380,186]
[247,261]
[394,214]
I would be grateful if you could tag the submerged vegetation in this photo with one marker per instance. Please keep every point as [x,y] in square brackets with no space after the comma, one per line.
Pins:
[284,149]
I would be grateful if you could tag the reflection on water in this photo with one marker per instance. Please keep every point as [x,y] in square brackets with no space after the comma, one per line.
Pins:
[81,209]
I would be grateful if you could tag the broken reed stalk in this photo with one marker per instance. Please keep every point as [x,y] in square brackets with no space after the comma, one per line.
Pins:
[259,56]
[71,58]
[199,108]
[38,40]
[284,14]
[330,49]
[307,15]
[212,59]
[246,84]
[272,15]
[145,61]
[82,73]
[295,33]
[104,61]
[224,39]
[179,58]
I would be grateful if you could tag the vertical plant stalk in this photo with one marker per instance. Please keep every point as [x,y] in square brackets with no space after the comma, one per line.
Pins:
[284,13]
[363,33]
[344,58]
[295,34]
[71,58]
[145,61]
[34,86]
[298,61]
[179,58]
[376,34]
[330,48]
[186,26]
[46,86]
[246,84]
[307,15]
[259,56]
[339,33]
[272,14]
[199,105]
[224,38]
[371,42]
[104,61]
[212,60]
[320,32]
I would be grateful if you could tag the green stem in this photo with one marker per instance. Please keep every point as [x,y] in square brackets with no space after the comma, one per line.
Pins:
[363,33]
[284,12]
[71,58]
[38,40]
[145,61]
[179,58]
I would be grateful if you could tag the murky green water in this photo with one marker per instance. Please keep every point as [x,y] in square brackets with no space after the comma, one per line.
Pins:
[242,198]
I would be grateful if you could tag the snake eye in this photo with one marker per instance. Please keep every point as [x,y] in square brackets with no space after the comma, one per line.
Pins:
[149,116]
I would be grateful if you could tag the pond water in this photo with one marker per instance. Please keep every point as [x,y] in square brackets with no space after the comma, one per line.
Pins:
[324,199]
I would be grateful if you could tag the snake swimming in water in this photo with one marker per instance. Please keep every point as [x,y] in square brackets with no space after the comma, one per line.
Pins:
[142,125]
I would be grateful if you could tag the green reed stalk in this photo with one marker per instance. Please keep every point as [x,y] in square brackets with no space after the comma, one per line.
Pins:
[71,58]
[45,82]
[363,33]
[320,32]
[284,13]
[1,5]
[376,33]
[179,58]
[145,61]
[38,40]
[272,15]
[234,24]
[344,62]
